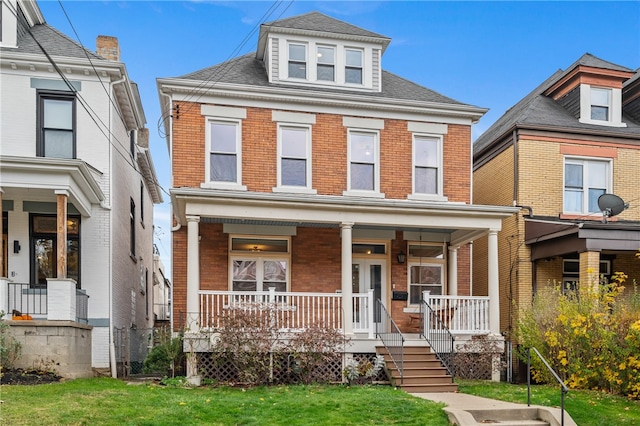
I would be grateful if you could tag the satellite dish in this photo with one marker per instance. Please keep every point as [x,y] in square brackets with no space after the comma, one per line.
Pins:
[611,205]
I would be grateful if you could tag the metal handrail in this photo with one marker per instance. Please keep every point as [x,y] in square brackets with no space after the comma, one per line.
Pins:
[391,338]
[438,336]
[563,387]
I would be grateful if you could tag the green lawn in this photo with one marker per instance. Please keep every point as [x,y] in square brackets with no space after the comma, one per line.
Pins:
[587,408]
[112,402]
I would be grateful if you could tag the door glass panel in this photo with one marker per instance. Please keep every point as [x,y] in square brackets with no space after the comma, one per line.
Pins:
[375,284]
[44,261]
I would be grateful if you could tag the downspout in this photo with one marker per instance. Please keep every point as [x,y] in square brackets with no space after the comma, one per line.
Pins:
[112,346]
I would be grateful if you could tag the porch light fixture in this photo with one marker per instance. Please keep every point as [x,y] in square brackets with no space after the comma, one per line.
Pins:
[402,257]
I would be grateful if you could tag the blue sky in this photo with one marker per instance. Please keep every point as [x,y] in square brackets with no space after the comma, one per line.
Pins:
[488,54]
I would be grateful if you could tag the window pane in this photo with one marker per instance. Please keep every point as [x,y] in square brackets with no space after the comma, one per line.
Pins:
[362,176]
[362,148]
[58,143]
[223,137]
[599,113]
[297,52]
[294,172]
[294,142]
[258,245]
[573,175]
[58,114]
[353,75]
[419,250]
[45,258]
[426,152]
[600,97]
[223,168]
[325,55]
[597,174]
[354,58]
[594,194]
[244,286]
[426,180]
[426,274]
[275,270]
[297,70]
[244,270]
[326,73]
[572,201]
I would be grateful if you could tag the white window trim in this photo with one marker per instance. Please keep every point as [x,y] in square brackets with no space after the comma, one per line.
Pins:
[615,107]
[307,62]
[438,196]
[308,189]
[316,63]
[429,262]
[362,68]
[585,197]
[375,193]
[258,256]
[208,183]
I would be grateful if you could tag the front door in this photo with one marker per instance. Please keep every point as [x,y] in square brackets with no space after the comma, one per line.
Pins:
[369,275]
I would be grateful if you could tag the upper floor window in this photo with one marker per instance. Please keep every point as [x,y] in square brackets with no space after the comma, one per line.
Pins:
[224,154]
[427,171]
[364,168]
[56,125]
[584,182]
[294,152]
[600,104]
[297,60]
[353,66]
[326,63]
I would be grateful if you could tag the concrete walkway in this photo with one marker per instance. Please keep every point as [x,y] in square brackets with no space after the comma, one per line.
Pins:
[469,410]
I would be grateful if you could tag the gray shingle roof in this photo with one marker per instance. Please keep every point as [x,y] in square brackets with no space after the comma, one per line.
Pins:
[54,42]
[316,21]
[535,109]
[247,70]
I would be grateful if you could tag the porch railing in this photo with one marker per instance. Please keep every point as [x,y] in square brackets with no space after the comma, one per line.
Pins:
[392,339]
[33,301]
[290,310]
[461,314]
[437,335]
[27,300]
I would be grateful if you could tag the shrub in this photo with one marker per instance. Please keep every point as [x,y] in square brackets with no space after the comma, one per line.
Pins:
[590,337]
[166,354]
[314,348]
[10,348]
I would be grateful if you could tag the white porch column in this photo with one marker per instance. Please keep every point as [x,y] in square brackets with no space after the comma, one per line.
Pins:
[453,271]
[193,273]
[493,283]
[4,297]
[61,299]
[347,293]
[494,293]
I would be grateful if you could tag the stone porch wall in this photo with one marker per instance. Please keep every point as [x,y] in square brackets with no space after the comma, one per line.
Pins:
[64,346]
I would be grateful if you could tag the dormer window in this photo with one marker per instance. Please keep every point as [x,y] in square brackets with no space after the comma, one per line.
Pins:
[326,63]
[600,103]
[297,61]
[353,68]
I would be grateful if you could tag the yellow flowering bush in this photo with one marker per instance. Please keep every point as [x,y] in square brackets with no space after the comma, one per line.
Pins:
[591,337]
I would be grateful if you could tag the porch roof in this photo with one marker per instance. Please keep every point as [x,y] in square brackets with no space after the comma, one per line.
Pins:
[39,177]
[549,237]
[460,222]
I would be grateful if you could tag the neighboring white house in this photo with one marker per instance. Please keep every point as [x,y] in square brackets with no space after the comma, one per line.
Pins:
[74,151]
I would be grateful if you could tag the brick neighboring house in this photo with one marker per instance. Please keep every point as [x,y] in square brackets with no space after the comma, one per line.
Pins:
[572,139]
[307,168]
[77,185]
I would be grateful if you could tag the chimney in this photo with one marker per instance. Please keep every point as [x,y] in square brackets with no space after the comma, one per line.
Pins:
[108,48]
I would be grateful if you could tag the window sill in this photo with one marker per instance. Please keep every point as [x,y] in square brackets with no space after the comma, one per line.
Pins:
[364,194]
[602,122]
[230,186]
[427,197]
[294,189]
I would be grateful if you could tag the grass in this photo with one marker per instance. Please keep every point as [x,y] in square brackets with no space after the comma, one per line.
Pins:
[587,408]
[112,402]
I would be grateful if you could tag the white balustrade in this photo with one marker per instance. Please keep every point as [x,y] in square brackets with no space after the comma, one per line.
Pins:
[462,314]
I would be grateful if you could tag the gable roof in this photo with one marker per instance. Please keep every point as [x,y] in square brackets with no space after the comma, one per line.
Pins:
[316,21]
[53,41]
[537,110]
[247,70]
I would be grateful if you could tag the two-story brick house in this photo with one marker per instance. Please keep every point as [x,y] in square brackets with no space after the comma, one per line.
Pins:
[554,153]
[307,168]
[78,187]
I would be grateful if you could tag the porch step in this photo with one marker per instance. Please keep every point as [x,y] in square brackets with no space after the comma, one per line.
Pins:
[423,372]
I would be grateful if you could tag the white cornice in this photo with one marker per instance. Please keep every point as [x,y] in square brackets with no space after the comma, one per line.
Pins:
[187,90]
[104,68]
